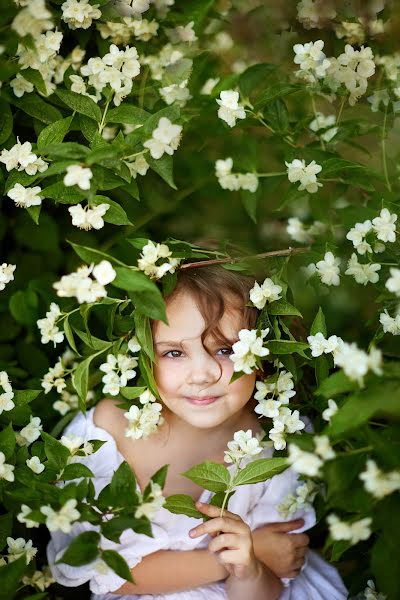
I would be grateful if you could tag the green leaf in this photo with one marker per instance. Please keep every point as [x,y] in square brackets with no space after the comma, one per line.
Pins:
[163,167]
[282,307]
[321,369]
[34,106]
[56,452]
[82,104]
[22,397]
[75,470]
[249,201]
[319,324]
[144,293]
[337,383]
[88,127]
[82,550]
[69,335]
[6,121]
[286,346]
[11,576]
[115,214]
[143,333]
[117,564]
[7,441]
[219,497]
[92,341]
[209,475]
[72,150]
[6,522]
[90,255]
[127,113]
[384,562]
[24,307]
[123,485]
[62,194]
[131,393]
[255,76]
[182,504]
[80,376]
[277,90]
[36,78]
[260,470]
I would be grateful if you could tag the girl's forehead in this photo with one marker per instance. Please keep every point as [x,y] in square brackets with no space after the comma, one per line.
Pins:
[185,319]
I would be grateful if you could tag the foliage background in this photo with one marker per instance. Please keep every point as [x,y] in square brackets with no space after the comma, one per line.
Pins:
[192,206]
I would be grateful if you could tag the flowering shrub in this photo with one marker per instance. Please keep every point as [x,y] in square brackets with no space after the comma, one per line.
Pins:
[131,121]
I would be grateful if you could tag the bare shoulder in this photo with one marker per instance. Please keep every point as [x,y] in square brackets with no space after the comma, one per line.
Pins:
[107,415]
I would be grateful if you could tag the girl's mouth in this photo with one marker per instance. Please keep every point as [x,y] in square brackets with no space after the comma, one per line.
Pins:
[202,401]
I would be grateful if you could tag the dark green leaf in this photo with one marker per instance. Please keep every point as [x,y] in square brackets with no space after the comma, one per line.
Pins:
[117,564]
[54,133]
[209,475]
[82,104]
[82,550]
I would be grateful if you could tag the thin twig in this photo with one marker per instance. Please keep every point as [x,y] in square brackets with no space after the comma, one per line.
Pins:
[220,261]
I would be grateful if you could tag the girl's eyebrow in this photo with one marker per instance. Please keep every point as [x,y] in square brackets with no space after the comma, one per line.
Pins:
[168,343]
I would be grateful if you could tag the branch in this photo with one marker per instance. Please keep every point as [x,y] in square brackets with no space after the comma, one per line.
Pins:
[219,261]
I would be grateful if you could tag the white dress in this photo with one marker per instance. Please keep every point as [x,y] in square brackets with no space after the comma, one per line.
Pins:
[255,503]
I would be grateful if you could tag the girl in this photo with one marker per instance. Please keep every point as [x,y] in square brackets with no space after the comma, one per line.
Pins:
[254,556]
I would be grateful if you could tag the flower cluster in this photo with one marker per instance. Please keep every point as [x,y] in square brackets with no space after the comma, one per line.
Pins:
[117,69]
[70,402]
[229,107]
[157,63]
[284,421]
[383,227]
[302,499]
[378,483]
[324,126]
[370,592]
[77,175]
[151,255]
[79,285]
[30,432]
[21,157]
[329,412]
[33,19]
[40,579]
[307,175]
[352,68]
[118,371]
[48,326]
[353,532]
[6,470]
[242,446]
[138,166]
[265,293]
[299,232]
[6,274]
[19,547]
[25,197]
[7,394]
[144,421]
[363,273]
[327,269]
[390,324]
[165,138]
[312,61]
[63,518]
[248,349]
[153,504]
[86,218]
[354,361]
[176,92]
[79,14]
[234,181]
[55,377]
[77,446]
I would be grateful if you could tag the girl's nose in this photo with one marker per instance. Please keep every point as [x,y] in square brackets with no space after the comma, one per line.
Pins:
[205,369]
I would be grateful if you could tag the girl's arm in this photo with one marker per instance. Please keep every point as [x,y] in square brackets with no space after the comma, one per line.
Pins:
[263,585]
[168,571]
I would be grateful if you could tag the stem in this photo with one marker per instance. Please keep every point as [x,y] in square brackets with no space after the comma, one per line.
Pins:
[261,120]
[275,174]
[357,451]
[316,117]
[135,154]
[286,252]
[340,111]
[383,143]
[142,87]
[103,118]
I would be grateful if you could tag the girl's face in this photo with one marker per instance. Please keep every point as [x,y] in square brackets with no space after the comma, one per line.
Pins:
[187,372]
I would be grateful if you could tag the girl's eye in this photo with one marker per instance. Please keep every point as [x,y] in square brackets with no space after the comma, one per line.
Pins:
[225,351]
[173,354]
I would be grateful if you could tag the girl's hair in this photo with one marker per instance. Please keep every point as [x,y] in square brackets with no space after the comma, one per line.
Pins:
[215,290]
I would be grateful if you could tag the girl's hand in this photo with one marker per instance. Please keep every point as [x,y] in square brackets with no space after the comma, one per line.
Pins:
[280,551]
[232,543]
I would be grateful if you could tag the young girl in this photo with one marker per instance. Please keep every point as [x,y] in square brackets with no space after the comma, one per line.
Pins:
[253,556]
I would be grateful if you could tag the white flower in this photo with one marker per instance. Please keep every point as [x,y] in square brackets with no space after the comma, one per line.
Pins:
[54,378]
[143,421]
[242,446]
[319,345]
[165,138]
[268,291]
[104,272]
[176,92]
[72,442]
[393,283]
[79,13]
[25,197]
[48,326]
[245,351]
[325,122]
[77,175]
[307,175]
[370,592]
[62,519]
[144,30]
[379,483]
[390,324]
[21,86]
[31,432]
[328,269]
[18,547]
[384,226]
[35,465]
[151,254]
[357,235]
[297,231]
[354,532]
[281,390]
[22,517]
[286,421]
[86,218]
[138,166]
[6,274]
[80,285]
[234,181]
[378,97]
[363,273]
[118,371]
[133,345]
[6,402]
[40,579]
[150,508]
[313,62]
[330,411]
[6,471]
[304,462]
[182,33]
[356,362]
[21,157]
[323,447]
[229,107]
[352,68]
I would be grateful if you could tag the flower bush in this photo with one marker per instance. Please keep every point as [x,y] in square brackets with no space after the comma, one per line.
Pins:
[120,124]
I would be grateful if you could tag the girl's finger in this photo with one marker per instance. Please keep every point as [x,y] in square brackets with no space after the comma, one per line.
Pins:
[225,540]
[301,540]
[225,524]
[215,511]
